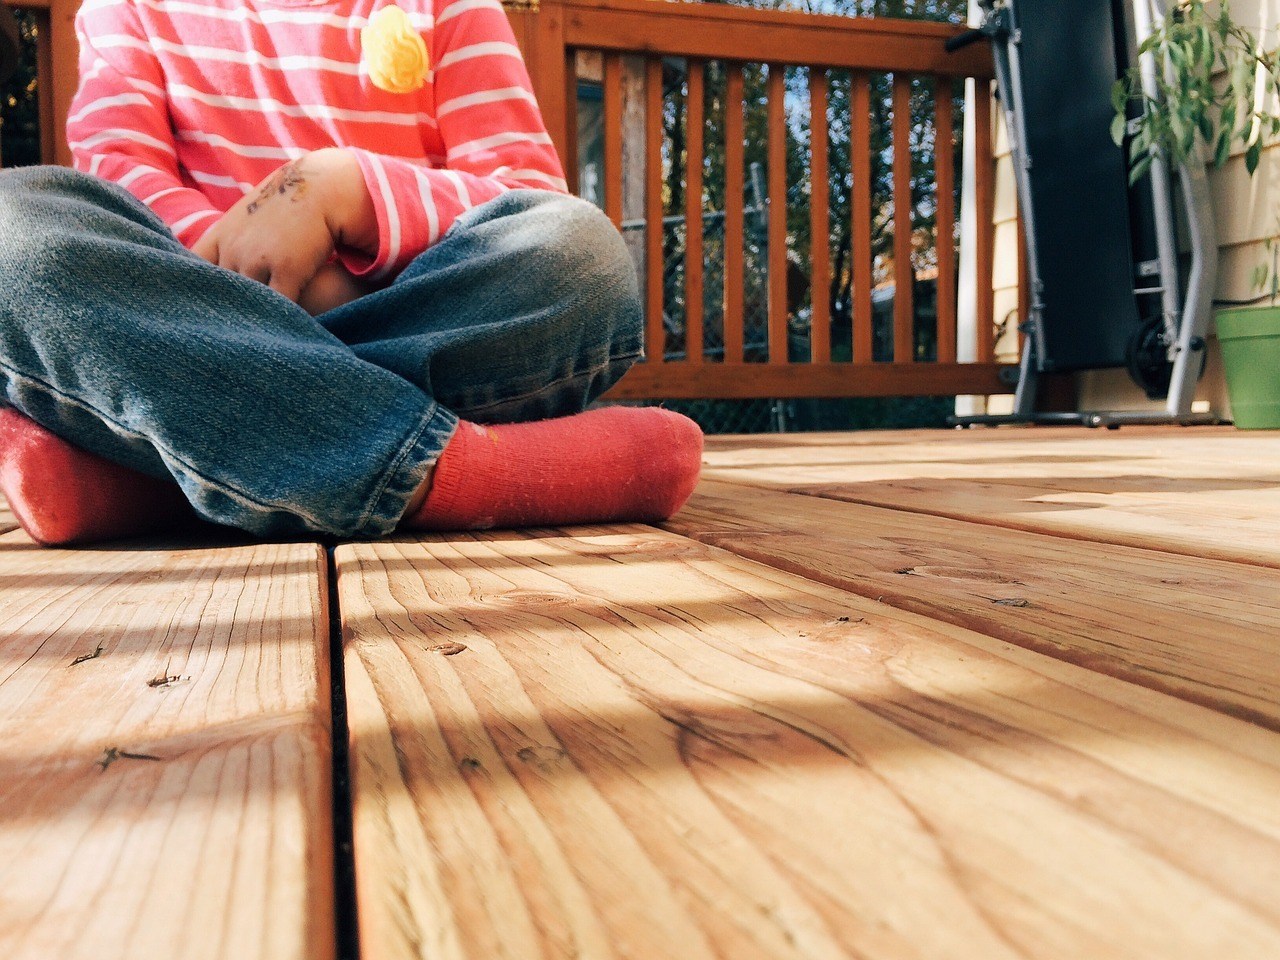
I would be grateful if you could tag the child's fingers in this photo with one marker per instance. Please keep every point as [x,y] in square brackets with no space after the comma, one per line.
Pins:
[287,283]
[207,247]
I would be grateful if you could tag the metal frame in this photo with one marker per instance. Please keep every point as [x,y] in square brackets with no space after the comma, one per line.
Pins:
[1186,317]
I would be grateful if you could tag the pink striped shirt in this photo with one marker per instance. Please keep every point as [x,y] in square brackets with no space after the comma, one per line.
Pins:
[190,103]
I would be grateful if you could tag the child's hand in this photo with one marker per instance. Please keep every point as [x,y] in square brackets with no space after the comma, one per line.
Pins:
[333,286]
[283,232]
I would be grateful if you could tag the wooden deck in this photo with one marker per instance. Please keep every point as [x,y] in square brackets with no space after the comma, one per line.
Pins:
[992,694]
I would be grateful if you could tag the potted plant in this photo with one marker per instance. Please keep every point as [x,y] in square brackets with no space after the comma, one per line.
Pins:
[1217,84]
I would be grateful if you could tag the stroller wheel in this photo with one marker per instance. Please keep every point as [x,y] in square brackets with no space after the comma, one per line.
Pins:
[1148,356]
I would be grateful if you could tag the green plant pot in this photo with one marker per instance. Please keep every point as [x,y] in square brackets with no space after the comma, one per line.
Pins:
[1250,338]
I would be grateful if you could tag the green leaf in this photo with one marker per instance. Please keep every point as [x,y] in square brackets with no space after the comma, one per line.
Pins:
[1120,95]
[1223,151]
[1117,129]
[1178,127]
[1206,128]
[1239,83]
[1253,155]
[1139,169]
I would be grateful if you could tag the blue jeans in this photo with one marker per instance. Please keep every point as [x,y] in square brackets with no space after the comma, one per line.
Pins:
[118,339]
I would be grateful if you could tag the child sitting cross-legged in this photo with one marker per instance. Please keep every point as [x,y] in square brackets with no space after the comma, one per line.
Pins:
[316,271]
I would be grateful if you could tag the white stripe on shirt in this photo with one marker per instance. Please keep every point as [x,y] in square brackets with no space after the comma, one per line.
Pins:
[491,48]
[393,215]
[421,20]
[497,140]
[117,134]
[242,149]
[462,6]
[485,96]
[104,103]
[187,221]
[305,111]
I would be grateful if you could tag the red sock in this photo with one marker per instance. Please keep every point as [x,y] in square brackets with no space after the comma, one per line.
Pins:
[607,465]
[61,494]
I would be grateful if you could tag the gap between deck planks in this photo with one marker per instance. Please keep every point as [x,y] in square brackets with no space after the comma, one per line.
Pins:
[624,743]
[187,818]
[1203,492]
[1202,630]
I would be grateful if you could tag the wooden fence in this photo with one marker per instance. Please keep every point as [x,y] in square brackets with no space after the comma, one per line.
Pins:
[556,35]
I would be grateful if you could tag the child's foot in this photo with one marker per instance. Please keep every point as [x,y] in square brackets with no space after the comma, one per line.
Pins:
[607,465]
[61,494]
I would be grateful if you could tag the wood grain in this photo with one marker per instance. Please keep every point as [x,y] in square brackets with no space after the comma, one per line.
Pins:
[1202,630]
[945,218]
[903,239]
[7,520]
[778,307]
[622,743]
[819,222]
[655,337]
[770,380]
[1209,493]
[755,36]
[734,215]
[168,795]
[860,213]
[613,137]
[694,262]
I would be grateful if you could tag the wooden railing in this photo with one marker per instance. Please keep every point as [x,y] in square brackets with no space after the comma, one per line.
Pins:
[631,38]
[794,357]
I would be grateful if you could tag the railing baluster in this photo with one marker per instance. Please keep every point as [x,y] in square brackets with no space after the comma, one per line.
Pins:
[734,177]
[655,334]
[945,238]
[819,221]
[777,215]
[693,261]
[860,151]
[51,136]
[613,137]
[903,272]
[570,158]
[984,203]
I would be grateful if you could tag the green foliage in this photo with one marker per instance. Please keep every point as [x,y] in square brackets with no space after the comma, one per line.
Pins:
[19,108]
[1215,84]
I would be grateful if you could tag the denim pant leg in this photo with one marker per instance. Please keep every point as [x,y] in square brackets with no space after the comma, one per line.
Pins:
[528,308]
[115,337]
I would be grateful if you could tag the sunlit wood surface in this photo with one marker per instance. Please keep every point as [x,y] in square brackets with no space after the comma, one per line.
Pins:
[837,709]
[994,694]
[164,753]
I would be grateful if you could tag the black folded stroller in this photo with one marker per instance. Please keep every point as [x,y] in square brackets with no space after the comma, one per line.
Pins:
[1107,288]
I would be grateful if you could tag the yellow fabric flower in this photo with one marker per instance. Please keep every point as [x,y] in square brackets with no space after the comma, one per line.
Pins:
[394,53]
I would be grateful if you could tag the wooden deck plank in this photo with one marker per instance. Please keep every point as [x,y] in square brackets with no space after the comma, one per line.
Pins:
[1213,494]
[141,818]
[623,743]
[1202,630]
